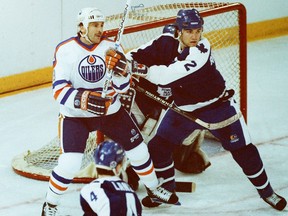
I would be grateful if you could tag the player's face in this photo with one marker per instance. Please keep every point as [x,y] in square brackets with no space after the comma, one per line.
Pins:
[191,37]
[95,31]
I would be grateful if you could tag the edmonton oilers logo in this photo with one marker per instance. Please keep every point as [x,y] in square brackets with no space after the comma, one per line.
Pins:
[92,68]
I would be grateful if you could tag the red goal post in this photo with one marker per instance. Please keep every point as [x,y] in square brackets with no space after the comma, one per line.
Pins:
[225,28]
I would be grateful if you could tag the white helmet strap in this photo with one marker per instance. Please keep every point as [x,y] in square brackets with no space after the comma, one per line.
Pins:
[86,35]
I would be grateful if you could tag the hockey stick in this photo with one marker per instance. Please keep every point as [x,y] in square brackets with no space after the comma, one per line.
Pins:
[109,73]
[185,187]
[172,106]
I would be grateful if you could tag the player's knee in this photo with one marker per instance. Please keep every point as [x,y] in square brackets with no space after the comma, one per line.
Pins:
[69,164]
[139,154]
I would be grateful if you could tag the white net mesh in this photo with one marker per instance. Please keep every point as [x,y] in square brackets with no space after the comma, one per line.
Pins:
[221,27]
[40,163]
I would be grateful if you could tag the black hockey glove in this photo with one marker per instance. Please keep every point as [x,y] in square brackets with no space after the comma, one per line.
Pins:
[117,62]
[92,102]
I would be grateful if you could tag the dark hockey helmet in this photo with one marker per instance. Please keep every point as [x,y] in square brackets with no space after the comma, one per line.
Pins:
[108,155]
[189,19]
[170,28]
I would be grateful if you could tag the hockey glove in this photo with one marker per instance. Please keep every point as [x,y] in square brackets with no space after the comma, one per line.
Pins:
[117,62]
[138,69]
[92,102]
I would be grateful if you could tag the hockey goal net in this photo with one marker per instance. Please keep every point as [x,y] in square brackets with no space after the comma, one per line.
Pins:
[224,26]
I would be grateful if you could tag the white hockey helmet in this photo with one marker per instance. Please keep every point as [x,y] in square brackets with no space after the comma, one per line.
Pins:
[88,15]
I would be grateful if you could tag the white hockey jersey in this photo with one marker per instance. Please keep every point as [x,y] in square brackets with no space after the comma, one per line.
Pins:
[109,196]
[81,67]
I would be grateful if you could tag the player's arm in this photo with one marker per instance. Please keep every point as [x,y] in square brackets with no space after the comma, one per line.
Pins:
[192,59]
[159,51]
[63,91]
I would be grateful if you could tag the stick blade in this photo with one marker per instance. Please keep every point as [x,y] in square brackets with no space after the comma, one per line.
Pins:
[187,187]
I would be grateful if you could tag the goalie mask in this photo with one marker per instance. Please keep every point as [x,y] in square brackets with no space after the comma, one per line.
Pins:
[189,19]
[86,16]
[108,155]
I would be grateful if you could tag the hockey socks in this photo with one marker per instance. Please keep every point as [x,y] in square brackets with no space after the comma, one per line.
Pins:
[251,163]
[142,164]
[249,160]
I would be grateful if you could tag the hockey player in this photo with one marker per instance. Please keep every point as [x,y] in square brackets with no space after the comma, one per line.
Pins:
[188,155]
[199,88]
[80,65]
[109,195]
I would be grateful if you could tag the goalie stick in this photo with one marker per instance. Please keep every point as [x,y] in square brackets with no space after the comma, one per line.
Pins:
[109,73]
[172,106]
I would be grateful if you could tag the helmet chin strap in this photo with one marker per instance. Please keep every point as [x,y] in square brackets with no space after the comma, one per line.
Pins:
[122,170]
[86,36]
[117,173]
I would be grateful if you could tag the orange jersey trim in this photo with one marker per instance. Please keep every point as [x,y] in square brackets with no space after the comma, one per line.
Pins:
[59,91]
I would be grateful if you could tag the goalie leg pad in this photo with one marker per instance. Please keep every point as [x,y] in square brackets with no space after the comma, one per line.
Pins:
[189,161]
[189,157]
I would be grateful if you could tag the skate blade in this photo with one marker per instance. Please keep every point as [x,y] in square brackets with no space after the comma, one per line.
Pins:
[161,202]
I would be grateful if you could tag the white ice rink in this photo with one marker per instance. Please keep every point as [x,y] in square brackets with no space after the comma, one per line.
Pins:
[29,121]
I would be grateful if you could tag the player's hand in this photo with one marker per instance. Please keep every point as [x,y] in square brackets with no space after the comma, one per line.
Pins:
[92,102]
[117,62]
[138,69]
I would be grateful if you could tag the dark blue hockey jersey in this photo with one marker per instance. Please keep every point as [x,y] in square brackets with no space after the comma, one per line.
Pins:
[190,73]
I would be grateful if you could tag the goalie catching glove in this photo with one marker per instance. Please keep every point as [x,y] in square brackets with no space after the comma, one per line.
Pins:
[92,102]
[117,62]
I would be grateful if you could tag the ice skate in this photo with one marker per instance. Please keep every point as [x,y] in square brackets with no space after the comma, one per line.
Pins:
[147,202]
[161,195]
[49,210]
[276,201]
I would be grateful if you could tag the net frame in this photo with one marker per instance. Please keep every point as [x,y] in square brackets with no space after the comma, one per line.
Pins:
[40,163]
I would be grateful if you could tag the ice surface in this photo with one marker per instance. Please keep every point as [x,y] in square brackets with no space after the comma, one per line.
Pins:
[29,121]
